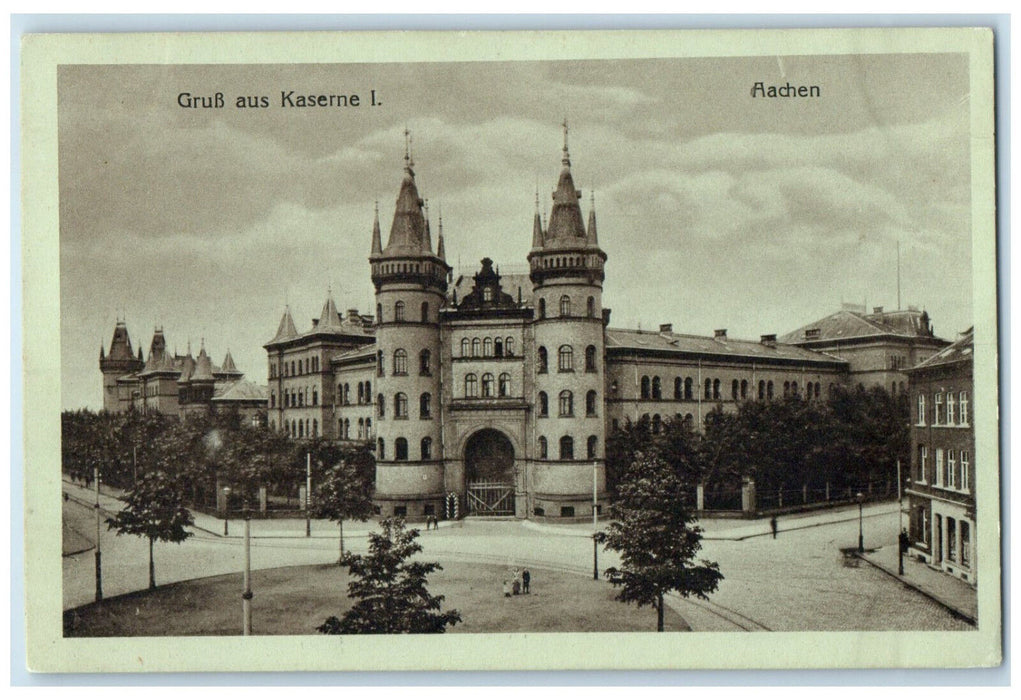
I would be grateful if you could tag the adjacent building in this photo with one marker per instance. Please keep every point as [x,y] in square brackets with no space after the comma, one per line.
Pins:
[941,485]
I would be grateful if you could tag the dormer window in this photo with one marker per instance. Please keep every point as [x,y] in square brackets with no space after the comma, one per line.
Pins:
[487,294]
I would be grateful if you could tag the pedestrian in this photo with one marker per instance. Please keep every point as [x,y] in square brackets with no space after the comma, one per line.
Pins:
[506,589]
[772,526]
[905,541]
[516,587]
[526,580]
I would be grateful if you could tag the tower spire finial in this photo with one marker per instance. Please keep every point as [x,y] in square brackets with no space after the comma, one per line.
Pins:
[407,147]
[567,156]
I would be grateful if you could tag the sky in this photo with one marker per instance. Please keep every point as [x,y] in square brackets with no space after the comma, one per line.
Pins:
[716,209]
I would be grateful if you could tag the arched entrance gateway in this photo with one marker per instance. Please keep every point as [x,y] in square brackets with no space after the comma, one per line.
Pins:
[489,473]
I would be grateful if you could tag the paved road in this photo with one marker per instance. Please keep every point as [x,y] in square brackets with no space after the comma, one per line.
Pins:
[800,581]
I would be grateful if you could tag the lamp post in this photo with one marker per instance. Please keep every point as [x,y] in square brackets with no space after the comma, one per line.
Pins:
[226,507]
[308,494]
[246,595]
[99,553]
[861,537]
[900,525]
[595,526]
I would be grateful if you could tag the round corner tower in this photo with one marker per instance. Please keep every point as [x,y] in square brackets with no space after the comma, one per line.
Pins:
[410,282]
[566,268]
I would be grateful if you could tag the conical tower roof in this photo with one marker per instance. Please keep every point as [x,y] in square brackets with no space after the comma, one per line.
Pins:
[120,345]
[329,318]
[286,329]
[377,244]
[187,368]
[537,233]
[566,226]
[203,367]
[228,364]
[407,233]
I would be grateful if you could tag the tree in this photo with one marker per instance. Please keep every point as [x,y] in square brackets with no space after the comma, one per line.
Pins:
[343,494]
[154,509]
[656,537]
[390,590]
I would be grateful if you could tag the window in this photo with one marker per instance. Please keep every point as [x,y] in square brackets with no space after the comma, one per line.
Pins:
[566,403]
[923,456]
[368,428]
[424,363]
[952,469]
[465,347]
[565,305]
[965,543]
[590,307]
[503,388]
[543,448]
[937,409]
[347,394]
[590,403]
[425,405]
[273,400]
[689,386]
[379,313]
[487,294]
[645,387]
[508,347]
[939,477]
[399,311]
[293,373]
[963,404]
[379,363]
[315,396]
[769,389]
[566,447]
[678,388]
[921,409]
[487,347]
[425,312]
[591,447]
[381,404]
[786,389]
[543,404]
[708,388]
[543,361]
[542,308]
[744,389]
[471,386]
[361,429]
[565,359]
[566,511]
[400,362]
[315,427]
[590,358]
[965,471]
[401,449]
[498,347]
[951,539]
[487,385]
[427,448]
[476,347]
[400,405]
[734,388]
[716,388]
[657,425]
[794,389]
[657,388]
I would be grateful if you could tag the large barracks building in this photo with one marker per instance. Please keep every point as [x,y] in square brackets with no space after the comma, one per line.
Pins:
[494,394]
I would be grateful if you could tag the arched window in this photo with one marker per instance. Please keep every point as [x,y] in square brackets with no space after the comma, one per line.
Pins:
[566,447]
[487,385]
[542,308]
[361,392]
[401,449]
[361,429]
[315,396]
[425,363]
[592,442]
[425,312]
[498,347]
[708,388]
[590,358]
[543,404]
[425,408]
[657,425]
[465,347]
[368,392]
[794,389]
[744,388]
[734,389]
[590,307]
[590,403]
[543,448]
[476,347]
[368,428]
[716,388]
[379,313]
[381,404]
[565,361]
[508,347]
[400,361]
[379,363]
[301,428]
[315,427]
[657,388]
[400,405]
[565,305]
[769,389]
[503,387]
[762,390]
[427,448]
[487,347]
[399,311]
[689,386]
[471,386]
[347,394]
[678,388]
[566,403]
[543,361]
[786,389]
[347,428]
[293,373]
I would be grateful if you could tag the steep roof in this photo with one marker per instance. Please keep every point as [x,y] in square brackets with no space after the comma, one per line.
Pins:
[962,350]
[203,367]
[286,329]
[719,347]
[228,365]
[329,318]
[240,390]
[566,226]
[120,344]
[407,232]
[846,324]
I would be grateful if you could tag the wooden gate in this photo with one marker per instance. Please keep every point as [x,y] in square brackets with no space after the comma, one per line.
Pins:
[490,498]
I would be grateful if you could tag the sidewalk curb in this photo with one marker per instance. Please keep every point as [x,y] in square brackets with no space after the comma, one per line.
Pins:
[953,609]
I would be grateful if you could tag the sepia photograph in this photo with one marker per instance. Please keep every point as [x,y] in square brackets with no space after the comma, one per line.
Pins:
[437,336]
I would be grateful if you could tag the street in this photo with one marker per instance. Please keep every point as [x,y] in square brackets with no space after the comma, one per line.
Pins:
[799,581]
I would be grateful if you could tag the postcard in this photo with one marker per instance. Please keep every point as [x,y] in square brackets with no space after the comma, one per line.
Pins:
[570,350]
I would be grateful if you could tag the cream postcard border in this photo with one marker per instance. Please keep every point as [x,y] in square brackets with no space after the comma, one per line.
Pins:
[48,651]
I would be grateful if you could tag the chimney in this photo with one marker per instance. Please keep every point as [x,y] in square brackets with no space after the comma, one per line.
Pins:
[769,340]
[720,333]
[877,309]
[666,328]
[352,315]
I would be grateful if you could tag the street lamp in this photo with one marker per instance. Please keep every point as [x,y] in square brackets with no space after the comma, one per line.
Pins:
[861,538]
[308,495]
[595,526]
[246,595]
[99,553]
[226,507]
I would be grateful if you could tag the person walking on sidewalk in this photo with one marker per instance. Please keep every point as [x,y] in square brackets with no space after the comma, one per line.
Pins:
[526,579]
[772,526]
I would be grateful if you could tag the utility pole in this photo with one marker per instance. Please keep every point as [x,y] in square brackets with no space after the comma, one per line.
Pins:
[99,553]
[900,525]
[595,525]
[246,595]
[308,494]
